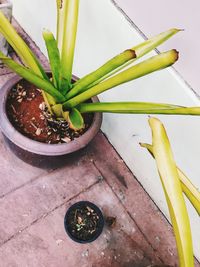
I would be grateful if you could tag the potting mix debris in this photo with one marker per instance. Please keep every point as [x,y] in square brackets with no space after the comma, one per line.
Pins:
[29,114]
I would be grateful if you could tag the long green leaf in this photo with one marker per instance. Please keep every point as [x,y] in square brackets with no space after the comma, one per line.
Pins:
[30,76]
[173,192]
[66,34]
[127,107]
[138,108]
[59,81]
[140,50]
[148,66]
[150,44]
[18,44]
[24,52]
[82,84]
[188,188]
[190,191]
[54,56]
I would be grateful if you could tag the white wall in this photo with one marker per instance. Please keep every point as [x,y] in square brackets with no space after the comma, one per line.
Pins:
[103,32]
[158,15]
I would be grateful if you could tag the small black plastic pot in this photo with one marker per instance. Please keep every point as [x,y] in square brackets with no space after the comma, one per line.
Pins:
[100,224]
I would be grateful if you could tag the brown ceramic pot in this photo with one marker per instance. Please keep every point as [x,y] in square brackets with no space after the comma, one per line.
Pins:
[37,153]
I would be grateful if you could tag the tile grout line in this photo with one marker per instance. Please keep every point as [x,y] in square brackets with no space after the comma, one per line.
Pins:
[28,182]
[146,239]
[49,172]
[48,213]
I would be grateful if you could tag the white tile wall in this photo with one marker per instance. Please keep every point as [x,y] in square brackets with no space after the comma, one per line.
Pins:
[155,15]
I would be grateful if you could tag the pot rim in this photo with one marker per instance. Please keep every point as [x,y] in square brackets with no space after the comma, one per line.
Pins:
[8,3]
[101,221]
[38,147]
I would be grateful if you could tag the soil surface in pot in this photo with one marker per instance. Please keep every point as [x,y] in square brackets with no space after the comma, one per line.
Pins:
[83,222]
[28,113]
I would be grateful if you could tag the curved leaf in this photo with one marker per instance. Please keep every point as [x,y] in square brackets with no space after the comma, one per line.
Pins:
[188,188]
[172,187]
[75,120]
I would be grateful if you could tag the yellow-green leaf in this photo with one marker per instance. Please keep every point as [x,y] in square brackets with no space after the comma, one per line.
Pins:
[191,192]
[173,192]
[148,66]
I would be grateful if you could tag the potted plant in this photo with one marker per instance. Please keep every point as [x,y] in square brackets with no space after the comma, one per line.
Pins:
[44,116]
[84,222]
[174,183]
[6,9]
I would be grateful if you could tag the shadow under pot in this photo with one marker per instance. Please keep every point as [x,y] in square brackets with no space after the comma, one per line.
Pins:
[32,134]
[84,222]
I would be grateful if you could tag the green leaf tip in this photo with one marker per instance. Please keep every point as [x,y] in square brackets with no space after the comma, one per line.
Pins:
[54,56]
[153,42]
[75,120]
[88,80]
[148,66]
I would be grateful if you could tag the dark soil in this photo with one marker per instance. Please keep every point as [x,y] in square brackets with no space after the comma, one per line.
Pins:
[83,222]
[29,115]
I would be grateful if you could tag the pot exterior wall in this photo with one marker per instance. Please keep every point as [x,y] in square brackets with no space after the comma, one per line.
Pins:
[42,161]
[6,8]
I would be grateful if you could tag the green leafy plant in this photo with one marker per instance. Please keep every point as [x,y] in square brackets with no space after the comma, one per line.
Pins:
[66,99]
[174,183]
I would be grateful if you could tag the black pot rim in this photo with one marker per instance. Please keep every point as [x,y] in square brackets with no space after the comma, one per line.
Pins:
[101,221]
[36,147]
